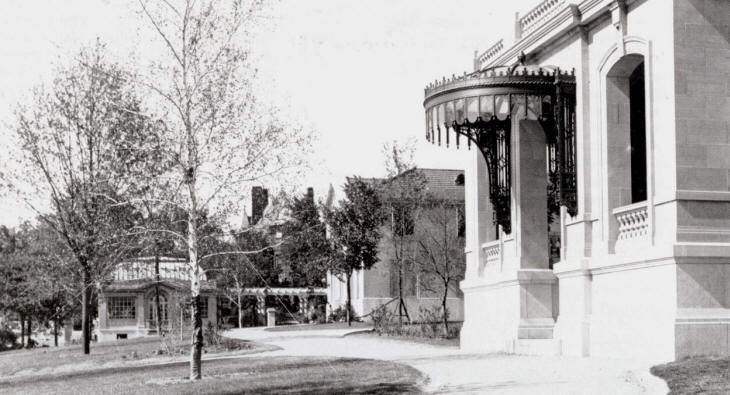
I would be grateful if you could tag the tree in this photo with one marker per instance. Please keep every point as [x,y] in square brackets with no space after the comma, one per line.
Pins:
[238,272]
[355,232]
[402,194]
[440,259]
[82,143]
[306,248]
[16,293]
[219,137]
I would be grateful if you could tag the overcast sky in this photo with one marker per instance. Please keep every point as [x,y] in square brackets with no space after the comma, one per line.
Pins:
[354,71]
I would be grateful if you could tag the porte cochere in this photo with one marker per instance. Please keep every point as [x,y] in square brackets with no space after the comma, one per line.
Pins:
[598,211]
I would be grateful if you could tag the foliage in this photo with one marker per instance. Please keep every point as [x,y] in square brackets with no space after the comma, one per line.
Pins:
[355,228]
[212,336]
[8,339]
[355,231]
[306,249]
[83,142]
[340,314]
[428,325]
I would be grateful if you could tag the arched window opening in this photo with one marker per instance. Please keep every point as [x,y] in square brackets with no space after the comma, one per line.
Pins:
[638,134]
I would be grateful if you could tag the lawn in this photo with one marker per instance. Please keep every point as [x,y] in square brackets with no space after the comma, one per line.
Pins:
[111,354]
[705,375]
[259,375]
[310,327]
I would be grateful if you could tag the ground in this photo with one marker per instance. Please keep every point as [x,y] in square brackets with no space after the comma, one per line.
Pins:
[449,370]
[326,359]
[135,367]
[704,375]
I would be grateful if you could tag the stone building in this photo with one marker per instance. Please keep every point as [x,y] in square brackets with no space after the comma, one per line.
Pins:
[378,286]
[127,301]
[613,116]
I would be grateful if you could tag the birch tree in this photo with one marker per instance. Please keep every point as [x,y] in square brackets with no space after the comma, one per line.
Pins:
[219,137]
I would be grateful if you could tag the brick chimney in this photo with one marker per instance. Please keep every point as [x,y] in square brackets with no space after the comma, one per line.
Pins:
[310,194]
[259,201]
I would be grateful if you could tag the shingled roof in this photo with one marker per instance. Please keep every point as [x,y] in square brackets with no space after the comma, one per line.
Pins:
[440,183]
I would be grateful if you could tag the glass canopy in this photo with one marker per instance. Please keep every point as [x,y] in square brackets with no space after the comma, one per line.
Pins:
[483,106]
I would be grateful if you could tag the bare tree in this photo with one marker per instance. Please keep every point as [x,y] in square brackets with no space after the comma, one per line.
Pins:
[402,195]
[219,138]
[440,259]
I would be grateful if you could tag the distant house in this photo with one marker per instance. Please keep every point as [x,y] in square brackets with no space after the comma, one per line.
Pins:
[379,285]
[127,300]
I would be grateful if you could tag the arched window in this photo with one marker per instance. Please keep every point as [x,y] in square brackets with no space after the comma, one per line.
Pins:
[626,121]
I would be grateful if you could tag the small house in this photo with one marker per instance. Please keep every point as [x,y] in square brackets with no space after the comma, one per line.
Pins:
[128,299]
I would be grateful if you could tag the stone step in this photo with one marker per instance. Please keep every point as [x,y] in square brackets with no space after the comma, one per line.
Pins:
[550,347]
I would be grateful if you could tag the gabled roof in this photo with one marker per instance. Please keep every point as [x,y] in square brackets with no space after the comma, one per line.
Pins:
[440,183]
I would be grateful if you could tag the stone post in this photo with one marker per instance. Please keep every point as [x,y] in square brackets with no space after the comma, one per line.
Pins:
[271,317]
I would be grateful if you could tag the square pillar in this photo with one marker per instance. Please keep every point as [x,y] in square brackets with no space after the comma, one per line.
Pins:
[537,283]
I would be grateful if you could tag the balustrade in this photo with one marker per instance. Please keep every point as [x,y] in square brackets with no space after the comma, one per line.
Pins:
[633,221]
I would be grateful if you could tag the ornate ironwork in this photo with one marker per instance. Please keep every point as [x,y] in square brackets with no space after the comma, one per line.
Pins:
[559,126]
[469,105]
[492,137]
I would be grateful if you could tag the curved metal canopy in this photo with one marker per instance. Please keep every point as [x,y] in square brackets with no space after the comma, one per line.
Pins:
[482,106]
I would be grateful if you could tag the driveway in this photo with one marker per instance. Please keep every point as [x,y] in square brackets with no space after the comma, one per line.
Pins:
[451,371]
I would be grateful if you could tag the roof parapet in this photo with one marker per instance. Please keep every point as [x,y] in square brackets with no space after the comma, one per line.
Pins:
[491,52]
[538,15]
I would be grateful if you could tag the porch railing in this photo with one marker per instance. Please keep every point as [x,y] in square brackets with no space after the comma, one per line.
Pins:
[633,221]
[492,254]
[538,15]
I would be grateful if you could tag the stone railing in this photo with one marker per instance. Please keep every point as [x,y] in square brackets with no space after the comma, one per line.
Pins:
[491,52]
[492,254]
[536,16]
[633,221]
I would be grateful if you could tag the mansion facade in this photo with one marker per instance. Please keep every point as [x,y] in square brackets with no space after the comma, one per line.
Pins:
[607,123]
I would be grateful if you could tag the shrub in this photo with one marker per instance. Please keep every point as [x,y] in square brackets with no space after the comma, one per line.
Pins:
[211,335]
[340,315]
[8,339]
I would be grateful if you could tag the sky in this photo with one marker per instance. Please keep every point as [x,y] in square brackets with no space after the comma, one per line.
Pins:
[353,71]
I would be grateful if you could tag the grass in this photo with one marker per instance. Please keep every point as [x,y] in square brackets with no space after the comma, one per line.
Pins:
[311,327]
[104,355]
[259,375]
[705,375]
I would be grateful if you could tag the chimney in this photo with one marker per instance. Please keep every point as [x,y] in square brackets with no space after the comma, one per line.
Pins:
[310,194]
[259,201]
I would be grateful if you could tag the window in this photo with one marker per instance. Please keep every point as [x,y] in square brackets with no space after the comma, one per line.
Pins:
[203,307]
[638,134]
[121,307]
[460,222]
[152,303]
[402,220]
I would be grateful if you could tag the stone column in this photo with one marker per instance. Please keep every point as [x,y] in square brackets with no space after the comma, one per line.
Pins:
[513,309]
[538,285]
